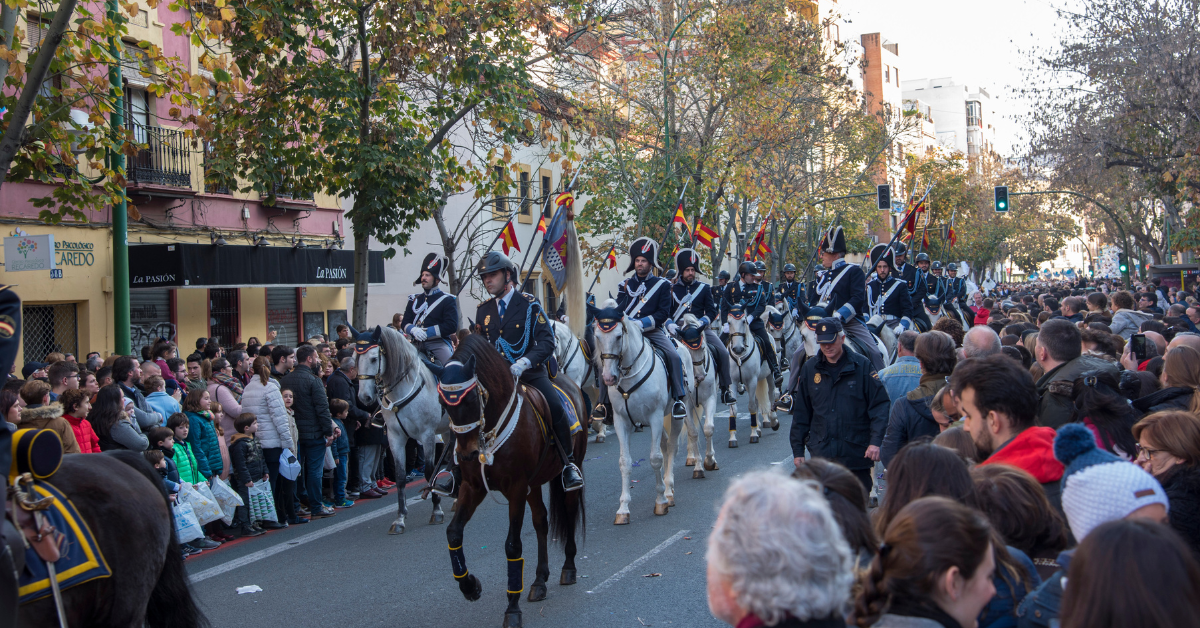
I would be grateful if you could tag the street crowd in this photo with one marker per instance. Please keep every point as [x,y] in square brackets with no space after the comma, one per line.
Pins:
[286,419]
[1040,468]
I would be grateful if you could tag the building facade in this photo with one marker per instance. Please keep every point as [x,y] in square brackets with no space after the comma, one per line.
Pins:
[964,115]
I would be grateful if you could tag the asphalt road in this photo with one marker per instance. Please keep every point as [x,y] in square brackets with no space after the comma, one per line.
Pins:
[347,571]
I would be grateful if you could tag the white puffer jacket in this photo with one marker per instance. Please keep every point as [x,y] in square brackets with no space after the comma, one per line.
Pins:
[266,403]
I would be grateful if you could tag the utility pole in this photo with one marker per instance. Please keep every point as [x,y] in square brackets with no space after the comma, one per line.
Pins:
[120,216]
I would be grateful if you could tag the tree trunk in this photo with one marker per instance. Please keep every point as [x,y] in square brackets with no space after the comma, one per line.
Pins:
[8,24]
[10,143]
[362,234]
[361,275]
[439,219]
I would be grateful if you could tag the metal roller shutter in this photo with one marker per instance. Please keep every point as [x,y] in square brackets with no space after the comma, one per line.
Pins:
[150,317]
[282,316]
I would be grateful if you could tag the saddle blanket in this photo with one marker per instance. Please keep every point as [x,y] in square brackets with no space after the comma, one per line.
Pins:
[81,559]
[569,407]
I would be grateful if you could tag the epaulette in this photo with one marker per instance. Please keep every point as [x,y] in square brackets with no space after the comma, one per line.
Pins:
[530,297]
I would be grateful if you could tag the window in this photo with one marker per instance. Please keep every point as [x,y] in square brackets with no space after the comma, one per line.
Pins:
[897,77]
[36,32]
[500,202]
[137,113]
[49,328]
[525,202]
[974,113]
[887,73]
[223,319]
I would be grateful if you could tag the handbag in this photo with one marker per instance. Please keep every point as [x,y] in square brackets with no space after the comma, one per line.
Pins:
[227,498]
[262,502]
[289,465]
[187,527]
[204,506]
[330,461]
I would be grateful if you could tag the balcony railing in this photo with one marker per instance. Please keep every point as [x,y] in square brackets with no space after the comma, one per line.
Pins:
[165,160]
[285,187]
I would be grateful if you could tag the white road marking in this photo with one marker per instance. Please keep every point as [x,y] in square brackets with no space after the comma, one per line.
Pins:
[635,564]
[296,542]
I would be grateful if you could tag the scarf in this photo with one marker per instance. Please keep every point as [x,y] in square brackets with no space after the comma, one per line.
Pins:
[232,384]
[907,608]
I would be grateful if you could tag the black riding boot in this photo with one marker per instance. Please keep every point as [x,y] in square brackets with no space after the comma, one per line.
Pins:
[571,477]
[447,478]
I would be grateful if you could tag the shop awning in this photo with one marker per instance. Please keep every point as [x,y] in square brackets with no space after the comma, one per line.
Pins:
[209,266]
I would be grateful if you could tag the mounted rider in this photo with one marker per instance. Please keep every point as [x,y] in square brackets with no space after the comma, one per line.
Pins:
[690,296]
[887,296]
[647,299]
[753,297]
[842,291]
[789,290]
[515,324]
[956,292]
[431,317]
[915,278]
[937,283]
[761,267]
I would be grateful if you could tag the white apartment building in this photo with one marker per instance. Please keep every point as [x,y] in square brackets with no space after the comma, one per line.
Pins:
[964,117]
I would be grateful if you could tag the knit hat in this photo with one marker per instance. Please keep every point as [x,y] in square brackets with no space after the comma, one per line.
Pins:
[1097,486]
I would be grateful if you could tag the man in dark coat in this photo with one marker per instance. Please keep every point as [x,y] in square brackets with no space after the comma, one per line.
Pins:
[691,296]
[343,385]
[840,408]
[431,316]
[313,421]
[911,416]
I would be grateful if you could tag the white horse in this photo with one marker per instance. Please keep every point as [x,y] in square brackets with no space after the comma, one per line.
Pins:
[391,373]
[783,329]
[749,370]
[702,396]
[810,344]
[637,386]
[886,335]
[573,362]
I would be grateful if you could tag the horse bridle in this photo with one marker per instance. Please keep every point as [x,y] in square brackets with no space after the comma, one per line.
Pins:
[782,342]
[740,357]
[384,404]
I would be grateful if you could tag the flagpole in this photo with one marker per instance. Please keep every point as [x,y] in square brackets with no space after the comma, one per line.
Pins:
[463,284]
[570,186]
[611,249]
[699,221]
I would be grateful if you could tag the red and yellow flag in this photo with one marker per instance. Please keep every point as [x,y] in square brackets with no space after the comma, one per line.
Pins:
[910,225]
[953,237]
[566,199]
[705,235]
[508,238]
[611,261]
[763,249]
[542,224]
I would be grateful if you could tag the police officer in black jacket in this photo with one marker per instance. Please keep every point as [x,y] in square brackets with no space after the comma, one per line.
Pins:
[431,317]
[695,297]
[956,293]
[647,299]
[514,322]
[840,408]
[753,297]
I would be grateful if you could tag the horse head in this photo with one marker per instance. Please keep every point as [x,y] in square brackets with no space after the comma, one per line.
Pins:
[691,332]
[739,330]
[462,395]
[611,327]
[807,331]
[777,321]
[369,360]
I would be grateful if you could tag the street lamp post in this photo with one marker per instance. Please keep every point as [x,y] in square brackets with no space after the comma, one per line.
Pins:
[120,216]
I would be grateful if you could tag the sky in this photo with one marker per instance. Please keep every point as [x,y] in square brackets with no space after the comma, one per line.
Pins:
[978,42]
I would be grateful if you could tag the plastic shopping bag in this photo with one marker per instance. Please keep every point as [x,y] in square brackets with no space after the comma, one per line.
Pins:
[227,498]
[205,506]
[187,527]
[330,461]
[262,502]
[289,465]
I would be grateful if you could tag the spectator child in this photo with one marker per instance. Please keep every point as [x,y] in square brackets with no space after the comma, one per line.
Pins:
[202,433]
[225,431]
[76,405]
[248,467]
[159,461]
[181,452]
[40,414]
[159,400]
[341,452]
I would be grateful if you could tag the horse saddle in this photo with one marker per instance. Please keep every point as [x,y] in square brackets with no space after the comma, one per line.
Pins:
[857,346]
[76,558]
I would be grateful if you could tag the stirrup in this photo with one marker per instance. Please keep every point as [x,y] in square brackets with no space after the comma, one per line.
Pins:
[727,397]
[784,364]
[784,403]
[599,412]
[678,410]
[444,483]
[572,477]
[778,379]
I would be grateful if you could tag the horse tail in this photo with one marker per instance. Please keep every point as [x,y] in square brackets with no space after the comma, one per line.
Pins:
[171,603]
[567,512]
[576,314]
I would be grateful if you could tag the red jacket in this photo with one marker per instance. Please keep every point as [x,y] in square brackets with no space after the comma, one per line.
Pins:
[89,443]
[981,315]
[1032,451]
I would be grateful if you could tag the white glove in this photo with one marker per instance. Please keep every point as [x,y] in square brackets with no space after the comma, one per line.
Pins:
[796,314]
[418,334]
[520,366]
[672,328]
[898,329]
[725,328]
[749,318]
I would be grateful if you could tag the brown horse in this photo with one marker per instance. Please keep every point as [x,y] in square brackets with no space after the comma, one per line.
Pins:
[483,402]
[122,499]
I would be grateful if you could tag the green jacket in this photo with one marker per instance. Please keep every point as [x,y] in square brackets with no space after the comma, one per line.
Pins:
[202,436]
[185,461]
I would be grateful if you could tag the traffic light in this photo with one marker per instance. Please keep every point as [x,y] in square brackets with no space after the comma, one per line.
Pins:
[1001,198]
[1123,262]
[883,196]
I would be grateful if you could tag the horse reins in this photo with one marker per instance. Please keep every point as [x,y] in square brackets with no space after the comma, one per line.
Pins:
[391,406]
[491,441]
[625,371]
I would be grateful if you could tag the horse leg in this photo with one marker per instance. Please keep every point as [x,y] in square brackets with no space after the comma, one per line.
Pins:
[437,516]
[752,405]
[733,427]
[468,501]
[396,442]
[516,563]
[670,445]
[710,458]
[692,434]
[622,427]
[658,424]
[541,525]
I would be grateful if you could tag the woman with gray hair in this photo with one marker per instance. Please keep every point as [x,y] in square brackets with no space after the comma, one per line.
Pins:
[776,556]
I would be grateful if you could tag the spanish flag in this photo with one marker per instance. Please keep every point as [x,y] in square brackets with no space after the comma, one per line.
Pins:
[541,225]
[953,237]
[681,221]
[910,225]
[566,199]
[705,235]
[508,238]
[763,249]
[611,260]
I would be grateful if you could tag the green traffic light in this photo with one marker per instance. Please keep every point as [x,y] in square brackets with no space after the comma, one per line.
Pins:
[1002,204]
